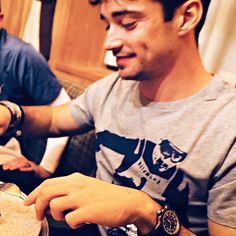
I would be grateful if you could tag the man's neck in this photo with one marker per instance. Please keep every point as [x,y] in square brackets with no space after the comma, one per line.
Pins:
[182,80]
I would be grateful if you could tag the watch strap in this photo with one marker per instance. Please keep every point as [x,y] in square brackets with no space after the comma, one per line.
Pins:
[159,230]
[17,117]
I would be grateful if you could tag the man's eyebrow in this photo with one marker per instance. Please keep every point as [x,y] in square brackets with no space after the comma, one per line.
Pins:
[120,13]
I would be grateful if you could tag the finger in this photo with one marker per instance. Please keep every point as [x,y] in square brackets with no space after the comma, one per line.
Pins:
[77,218]
[61,206]
[44,199]
[23,162]
[16,163]
[31,198]
[11,161]
[48,190]
[94,214]
[27,167]
[9,164]
[16,166]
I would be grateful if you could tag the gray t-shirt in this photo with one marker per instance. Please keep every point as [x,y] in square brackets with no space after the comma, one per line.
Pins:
[181,153]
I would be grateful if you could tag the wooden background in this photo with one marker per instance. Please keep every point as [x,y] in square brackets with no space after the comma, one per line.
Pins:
[77,40]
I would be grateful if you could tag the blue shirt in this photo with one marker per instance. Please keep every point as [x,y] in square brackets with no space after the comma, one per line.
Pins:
[25,77]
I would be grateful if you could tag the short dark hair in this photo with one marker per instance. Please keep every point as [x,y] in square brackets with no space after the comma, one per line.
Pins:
[169,7]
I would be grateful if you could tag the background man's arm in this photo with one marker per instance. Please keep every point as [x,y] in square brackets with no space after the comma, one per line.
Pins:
[42,120]
[55,146]
[49,121]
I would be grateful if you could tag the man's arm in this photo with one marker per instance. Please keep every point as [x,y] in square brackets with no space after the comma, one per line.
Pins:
[52,154]
[217,229]
[92,200]
[87,199]
[49,121]
[55,146]
[42,121]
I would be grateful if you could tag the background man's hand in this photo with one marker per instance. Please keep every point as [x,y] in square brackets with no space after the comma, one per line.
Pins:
[24,165]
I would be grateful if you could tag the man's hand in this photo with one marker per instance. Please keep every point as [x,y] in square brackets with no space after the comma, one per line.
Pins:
[24,165]
[79,199]
[5,119]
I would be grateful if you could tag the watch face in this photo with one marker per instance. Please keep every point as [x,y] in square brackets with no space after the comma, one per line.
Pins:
[170,222]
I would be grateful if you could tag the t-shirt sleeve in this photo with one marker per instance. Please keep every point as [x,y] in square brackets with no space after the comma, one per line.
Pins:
[81,111]
[222,196]
[87,108]
[35,77]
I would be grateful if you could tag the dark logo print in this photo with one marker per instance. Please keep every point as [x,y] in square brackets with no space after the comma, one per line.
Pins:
[156,162]
[156,165]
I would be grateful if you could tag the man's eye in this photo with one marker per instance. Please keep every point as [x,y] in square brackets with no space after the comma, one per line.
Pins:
[129,26]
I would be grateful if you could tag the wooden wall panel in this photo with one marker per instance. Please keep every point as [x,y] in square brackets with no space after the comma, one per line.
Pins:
[78,37]
[15,15]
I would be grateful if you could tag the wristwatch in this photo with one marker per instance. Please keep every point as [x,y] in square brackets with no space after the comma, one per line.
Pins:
[168,223]
[17,116]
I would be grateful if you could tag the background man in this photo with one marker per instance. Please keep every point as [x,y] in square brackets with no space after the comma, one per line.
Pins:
[159,124]
[25,78]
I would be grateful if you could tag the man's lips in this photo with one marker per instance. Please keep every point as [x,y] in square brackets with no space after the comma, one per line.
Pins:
[120,59]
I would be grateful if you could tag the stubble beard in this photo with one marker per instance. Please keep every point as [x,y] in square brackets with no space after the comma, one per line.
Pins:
[133,74]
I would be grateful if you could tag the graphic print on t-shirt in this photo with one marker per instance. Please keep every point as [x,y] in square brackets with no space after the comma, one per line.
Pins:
[154,165]
[156,162]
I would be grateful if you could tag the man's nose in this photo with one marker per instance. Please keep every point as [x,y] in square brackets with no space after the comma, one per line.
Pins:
[113,41]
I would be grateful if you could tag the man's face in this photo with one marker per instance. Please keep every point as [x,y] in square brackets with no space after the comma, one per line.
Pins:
[143,44]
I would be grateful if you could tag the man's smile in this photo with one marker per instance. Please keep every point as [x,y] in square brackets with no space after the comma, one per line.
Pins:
[122,59]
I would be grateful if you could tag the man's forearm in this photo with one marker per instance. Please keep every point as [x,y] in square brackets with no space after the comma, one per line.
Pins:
[149,222]
[37,120]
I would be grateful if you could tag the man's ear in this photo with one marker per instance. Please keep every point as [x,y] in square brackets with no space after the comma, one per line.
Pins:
[188,16]
[1,20]
[1,16]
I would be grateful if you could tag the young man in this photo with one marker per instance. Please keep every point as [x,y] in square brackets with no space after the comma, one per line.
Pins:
[165,164]
[25,78]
